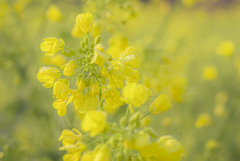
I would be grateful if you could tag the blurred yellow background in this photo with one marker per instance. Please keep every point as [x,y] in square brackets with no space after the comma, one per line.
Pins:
[188,50]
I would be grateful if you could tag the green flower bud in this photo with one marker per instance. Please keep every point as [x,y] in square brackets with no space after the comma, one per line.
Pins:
[86,40]
[92,45]
[122,122]
[80,50]
[88,79]
[82,44]
[97,39]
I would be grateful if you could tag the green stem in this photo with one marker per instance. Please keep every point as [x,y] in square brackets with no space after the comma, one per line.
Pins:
[68,121]
[144,115]
[98,140]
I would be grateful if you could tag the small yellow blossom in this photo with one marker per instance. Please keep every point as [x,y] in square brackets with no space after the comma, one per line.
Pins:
[94,87]
[101,153]
[116,78]
[87,156]
[135,94]
[99,58]
[104,71]
[210,73]
[160,105]
[189,3]
[70,136]
[133,78]
[94,121]
[203,120]
[84,22]
[169,149]
[48,75]
[89,103]
[81,83]
[113,97]
[72,156]
[61,106]
[226,48]
[53,13]
[52,45]
[69,68]
[76,31]
[61,89]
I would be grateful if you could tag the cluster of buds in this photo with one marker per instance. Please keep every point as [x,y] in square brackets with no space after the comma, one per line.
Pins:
[99,80]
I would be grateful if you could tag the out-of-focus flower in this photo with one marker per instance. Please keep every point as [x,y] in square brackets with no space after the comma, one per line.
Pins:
[89,103]
[160,105]
[61,106]
[53,13]
[210,73]
[135,94]
[61,89]
[76,31]
[113,97]
[219,110]
[70,136]
[52,45]
[166,121]
[116,78]
[56,60]
[84,22]
[212,144]
[69,68]
[48,75]
[99,58]
[203,120]
[94,121]
[101,153]
[94,87]
[226,48]
[221,98]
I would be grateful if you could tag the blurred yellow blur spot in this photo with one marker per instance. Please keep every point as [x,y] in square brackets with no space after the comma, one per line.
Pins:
[203,119]
[226,48]
[53,13]
[219,110]
[57,60]
[166,121]
[221,97]
[210,73]
[1,154]
[211,144]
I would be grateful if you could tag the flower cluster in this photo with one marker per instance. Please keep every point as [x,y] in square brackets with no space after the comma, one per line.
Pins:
[104,82]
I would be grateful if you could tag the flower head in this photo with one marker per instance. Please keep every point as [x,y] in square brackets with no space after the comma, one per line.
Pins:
[84,22]
[48,75]
[52,45]
[160,105]
[61,89]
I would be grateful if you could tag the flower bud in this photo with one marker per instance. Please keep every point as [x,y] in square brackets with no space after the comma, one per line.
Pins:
[104,71]
[84,22]
[88,79]
[160,105]
[122,122]
[69,68]
[86,40]
[81,84]
[82,44]
[103,80]
[97,39]
[100,47]
[95,89]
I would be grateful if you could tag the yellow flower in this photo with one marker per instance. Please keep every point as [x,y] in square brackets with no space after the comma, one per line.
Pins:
[126,62]
[189,3]
[160,105]
[77,98]
[76,31]
[166,121]
[87,156]
[210,73]
[98,58]
[203,120]
[72,156]
[89,103]
[53,13]
[61,89]
[169,149]
[84,22]
[94,121]
[48,75]
[100,47]
[61,106]
[69,68]
[81,83]
[94,87]
[117,43]
[113,97]
[226,48]
[104,71]
[70,136]
[135,94]
[52,45]
[96,29]
[101,153]
[133,78]
[116,78]
[221,98]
